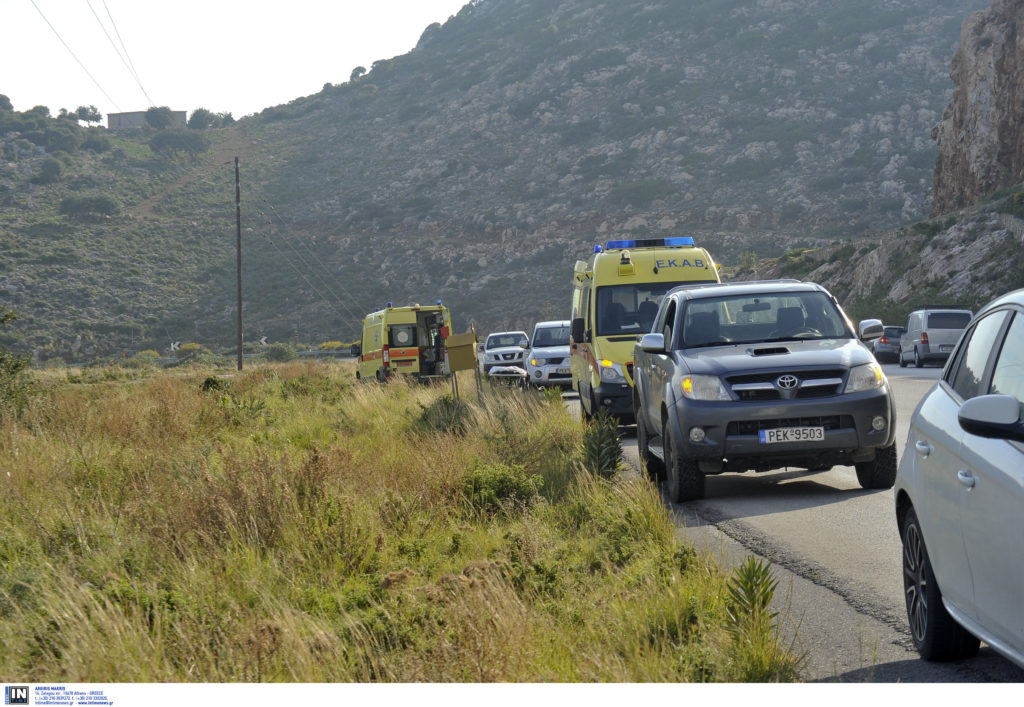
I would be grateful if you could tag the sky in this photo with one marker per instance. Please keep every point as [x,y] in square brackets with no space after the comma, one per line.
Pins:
[222,55]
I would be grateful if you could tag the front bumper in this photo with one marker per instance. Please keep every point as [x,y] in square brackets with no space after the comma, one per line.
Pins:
[549,374]
[732,440]
[616,398]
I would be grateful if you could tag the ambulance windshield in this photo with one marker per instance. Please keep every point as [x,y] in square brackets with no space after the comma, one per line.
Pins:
[630,309]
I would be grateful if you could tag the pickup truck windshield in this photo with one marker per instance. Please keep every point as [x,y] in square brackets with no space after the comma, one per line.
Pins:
[759,318]
[631,309]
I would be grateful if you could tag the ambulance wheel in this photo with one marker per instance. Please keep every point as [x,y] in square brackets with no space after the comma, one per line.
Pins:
[587,415]
[357,375]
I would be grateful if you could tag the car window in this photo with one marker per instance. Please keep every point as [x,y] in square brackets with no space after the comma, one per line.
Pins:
[666,328]
[1008,375]
[948,320]
[967,375]
[402,335]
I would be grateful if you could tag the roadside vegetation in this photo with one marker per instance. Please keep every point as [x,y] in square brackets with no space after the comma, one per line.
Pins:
[288,524]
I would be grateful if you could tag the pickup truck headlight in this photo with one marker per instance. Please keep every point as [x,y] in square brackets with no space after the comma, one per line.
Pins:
[704,388]
[866,377]
[611,372]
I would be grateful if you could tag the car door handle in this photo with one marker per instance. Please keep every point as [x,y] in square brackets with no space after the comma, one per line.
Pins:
[922,448]
[966,478]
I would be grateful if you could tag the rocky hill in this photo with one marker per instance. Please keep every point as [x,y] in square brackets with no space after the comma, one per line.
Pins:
[980,138]
[478,167]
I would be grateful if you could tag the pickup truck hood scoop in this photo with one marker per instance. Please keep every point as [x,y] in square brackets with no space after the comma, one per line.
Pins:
[768,351]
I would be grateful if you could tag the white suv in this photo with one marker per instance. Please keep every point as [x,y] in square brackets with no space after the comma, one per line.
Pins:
[505,348]
[960,495]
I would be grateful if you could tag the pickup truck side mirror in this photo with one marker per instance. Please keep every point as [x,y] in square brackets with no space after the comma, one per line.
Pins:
[652,343]
[870,329]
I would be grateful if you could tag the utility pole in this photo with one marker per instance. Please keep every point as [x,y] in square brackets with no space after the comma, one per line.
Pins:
[238,250]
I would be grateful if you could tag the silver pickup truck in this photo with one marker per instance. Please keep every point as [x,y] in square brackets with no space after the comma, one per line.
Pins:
[758,376]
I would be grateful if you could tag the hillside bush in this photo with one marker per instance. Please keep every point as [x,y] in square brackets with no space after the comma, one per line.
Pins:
[15,387]
[88,206]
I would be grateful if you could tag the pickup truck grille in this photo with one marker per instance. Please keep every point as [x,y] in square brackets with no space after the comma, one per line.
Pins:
[753,427]
[762,386]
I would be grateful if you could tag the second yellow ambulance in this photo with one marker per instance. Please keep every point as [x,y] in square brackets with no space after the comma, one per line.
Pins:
[616,293]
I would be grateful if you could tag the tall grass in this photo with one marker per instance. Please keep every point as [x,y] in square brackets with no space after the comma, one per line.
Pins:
[289,524]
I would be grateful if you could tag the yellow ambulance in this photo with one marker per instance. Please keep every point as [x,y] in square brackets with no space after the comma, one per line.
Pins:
[615,297]
[405,340]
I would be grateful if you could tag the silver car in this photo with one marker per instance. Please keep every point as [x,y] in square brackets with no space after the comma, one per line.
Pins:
[960,495]
[547,361]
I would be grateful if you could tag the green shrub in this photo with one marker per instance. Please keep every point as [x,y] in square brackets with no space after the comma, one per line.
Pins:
[493,489]
[278,352]
[15,388]
[444,414]
[602,449]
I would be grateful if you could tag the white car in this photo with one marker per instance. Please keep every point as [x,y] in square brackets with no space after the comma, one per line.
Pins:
[547,362]
[505,348]
[960,495]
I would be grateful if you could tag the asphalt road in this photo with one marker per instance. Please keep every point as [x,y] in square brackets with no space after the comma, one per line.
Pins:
[837,555]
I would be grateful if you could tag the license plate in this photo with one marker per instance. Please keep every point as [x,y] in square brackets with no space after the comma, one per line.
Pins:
[563,371]
[793,434]
[944,349]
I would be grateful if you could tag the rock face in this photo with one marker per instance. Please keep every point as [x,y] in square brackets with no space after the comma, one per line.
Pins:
[981,135]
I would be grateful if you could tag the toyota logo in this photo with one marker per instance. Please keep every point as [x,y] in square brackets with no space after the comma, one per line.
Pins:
[787,382]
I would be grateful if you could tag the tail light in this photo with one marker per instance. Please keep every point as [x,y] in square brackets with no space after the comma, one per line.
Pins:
[924,338]
[386,355]
[884,340]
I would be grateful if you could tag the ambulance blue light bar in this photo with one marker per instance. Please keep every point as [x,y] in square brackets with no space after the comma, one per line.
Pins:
[677,242]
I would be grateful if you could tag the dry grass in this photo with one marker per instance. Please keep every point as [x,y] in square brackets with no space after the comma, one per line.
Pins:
[288,524]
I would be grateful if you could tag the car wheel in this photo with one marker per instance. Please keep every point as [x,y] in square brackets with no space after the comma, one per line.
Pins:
[880,472]
[937,636]
[684,478]
[917,359]
[655,467]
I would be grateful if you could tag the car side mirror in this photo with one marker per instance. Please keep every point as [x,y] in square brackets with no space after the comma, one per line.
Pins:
[870,329]
[653,343]
[576,330]
[356,350]
[994,416]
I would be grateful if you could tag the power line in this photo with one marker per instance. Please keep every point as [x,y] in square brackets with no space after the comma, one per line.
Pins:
[288,258]
[87,73]
[311,253]
[125,59]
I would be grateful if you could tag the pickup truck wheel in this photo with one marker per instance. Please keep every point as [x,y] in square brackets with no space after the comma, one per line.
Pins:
[879,473]
[684,478]
[655,467]
[917,359]
[937,636]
